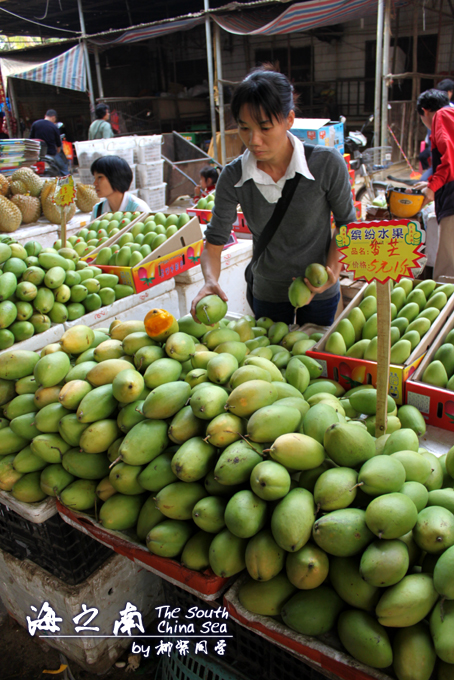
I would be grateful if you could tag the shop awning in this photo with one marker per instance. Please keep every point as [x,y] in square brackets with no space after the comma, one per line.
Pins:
[67,70]
[248,19]
[301,16]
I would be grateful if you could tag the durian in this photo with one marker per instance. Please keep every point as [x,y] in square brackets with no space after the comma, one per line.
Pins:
[4,185]
[31,181]
[50,210]
[10,215]
[86,197]
[30,207]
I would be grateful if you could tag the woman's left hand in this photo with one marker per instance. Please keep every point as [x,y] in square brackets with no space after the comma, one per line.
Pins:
[321,289]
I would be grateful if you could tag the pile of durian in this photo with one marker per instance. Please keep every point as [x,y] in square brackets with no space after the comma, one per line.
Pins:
[25,196]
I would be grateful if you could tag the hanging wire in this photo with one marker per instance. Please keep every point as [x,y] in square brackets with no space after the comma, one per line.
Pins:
[54,28]
[45,13]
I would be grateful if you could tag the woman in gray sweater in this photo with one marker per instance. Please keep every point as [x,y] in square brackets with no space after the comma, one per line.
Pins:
[263,106]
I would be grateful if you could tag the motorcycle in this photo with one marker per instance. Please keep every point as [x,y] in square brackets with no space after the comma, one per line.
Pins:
[47,166]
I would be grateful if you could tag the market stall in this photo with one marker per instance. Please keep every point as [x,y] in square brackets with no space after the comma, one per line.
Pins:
[289,477]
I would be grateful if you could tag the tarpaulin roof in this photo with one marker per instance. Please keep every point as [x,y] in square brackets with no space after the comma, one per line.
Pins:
[242,19]
[67,70]
[302,16]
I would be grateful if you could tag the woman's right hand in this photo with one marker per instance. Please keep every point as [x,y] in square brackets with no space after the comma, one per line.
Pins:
[208,289]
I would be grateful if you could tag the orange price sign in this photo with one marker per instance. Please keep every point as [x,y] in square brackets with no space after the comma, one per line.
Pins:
[380,251]
[66,191]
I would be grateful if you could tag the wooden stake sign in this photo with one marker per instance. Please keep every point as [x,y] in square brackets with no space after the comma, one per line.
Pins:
[382,251]
[63,198]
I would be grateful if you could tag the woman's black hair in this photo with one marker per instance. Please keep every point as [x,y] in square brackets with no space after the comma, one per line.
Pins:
[101,110]
[431,100]
[208,172]
[116,170]
[264,91]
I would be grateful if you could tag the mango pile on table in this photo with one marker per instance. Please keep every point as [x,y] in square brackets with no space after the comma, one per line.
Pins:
[207,202]
[132,246]
[440,371]
[223,447]
[413,310]
[40,286]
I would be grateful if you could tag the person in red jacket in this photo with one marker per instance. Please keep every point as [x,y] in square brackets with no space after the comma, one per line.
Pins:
[436,114]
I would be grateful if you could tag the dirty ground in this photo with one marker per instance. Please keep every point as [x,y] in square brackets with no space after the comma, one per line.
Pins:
[25,658]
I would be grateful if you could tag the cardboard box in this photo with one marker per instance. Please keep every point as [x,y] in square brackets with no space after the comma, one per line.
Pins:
[320,131]
[179,253]
[323,653]
[435,403]
[238,227]
[351,372]
[205,585]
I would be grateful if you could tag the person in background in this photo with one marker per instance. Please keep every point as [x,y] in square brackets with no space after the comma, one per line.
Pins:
[436,114]
[447,86]
[113,177]
[3,133]
[47,131]
[208,178]
[263,106]
[101,128]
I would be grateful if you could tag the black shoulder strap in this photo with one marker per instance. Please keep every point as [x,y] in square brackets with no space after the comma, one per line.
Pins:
[99,210]
[277,217]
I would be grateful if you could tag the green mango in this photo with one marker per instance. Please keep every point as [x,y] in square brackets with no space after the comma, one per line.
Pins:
[54,478]
[391,515]
[418,494]
[193,460]
[72,393]
[97,437]
[404,439]
[185,425]
[312,612]
[177,500]
[417,468]
[26,461]
[384,563]
[124,479]
[144,442]
[335,489]
[16,364]
[350,586]
[195,553]
[227,554]
[348,445]
[208,514]
[266,598]
[130,415]
[27,489]
[79,495]
[52,369]
[80,371]
[270,422]
[148,517]
[292,520]
[209,402]
[70,429]
[434,529]
[297,451]
[407,602]
[381,475]
[342,532]
[166,400]
[250,396]
[236,462]
[168,538]
[97,404]
[365,639]
[158,473]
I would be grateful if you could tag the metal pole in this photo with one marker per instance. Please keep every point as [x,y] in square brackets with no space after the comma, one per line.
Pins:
[384,99]
[98,74]
[211,80]
[378,72]
[217,35]
[87,59]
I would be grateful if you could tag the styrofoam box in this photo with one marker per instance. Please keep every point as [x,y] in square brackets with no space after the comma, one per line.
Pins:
[89,151]
[148,148]
[37,513]
[150,174]
[38,341]
[167,301]
[85,176]
[122,308]
[118,581]
[154,197]
[123,147]
[234,261]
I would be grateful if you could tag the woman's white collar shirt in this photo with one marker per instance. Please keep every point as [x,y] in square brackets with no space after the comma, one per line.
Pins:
[270,189]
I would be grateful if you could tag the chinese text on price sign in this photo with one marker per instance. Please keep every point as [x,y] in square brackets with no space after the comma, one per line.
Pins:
[381,251]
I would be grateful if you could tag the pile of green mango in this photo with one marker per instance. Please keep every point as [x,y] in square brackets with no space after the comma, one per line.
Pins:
[39,287]
[221,446]
[440,371]
[413,310]
[206,203]
[132,246]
